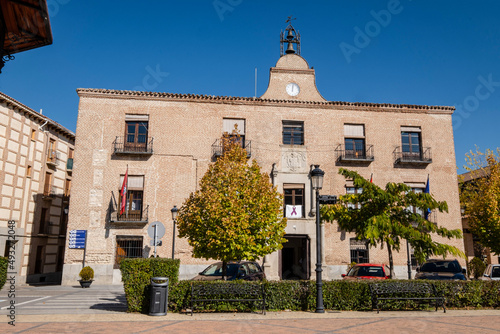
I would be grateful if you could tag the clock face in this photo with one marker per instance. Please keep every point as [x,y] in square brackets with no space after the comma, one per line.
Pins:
[292,89]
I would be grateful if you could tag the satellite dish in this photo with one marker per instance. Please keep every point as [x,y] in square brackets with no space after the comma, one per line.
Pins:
[160,230]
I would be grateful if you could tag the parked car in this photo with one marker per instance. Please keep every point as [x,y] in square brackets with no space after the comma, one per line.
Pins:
[492,272]
[246,270]
[367,271]
[441,270]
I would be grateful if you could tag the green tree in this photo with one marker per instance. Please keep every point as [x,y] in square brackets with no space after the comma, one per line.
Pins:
[480,196]
[385,217]
[236,213]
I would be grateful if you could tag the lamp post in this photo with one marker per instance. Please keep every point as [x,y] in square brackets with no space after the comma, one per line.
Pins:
[317,183]
[174,211]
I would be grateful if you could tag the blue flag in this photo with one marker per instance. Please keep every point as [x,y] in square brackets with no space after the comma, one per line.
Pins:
[427,192]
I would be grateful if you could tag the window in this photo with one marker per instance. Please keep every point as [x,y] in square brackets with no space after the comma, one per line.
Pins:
[47,189]
[28,171]
[359,251]
[232,126]
[67,187]
[134,200]
[33,134]
[354,141]
[51,154]
[411,141]
[293,133]
[415,209]
[42,228]
[354,191]
[294,200]
[128,247]
[136,132]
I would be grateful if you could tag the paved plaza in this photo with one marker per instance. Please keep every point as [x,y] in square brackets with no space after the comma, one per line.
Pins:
[102,309]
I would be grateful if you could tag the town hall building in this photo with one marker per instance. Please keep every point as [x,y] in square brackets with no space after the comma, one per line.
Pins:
[165,142]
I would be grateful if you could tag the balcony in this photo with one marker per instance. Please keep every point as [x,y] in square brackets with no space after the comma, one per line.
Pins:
[344,155]
[218,149]
[48,193]
[52,158]
[423,157]
[131,216]
[120,146]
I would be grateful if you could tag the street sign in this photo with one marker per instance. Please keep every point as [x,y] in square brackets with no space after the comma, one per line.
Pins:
[160,230]
[77,238]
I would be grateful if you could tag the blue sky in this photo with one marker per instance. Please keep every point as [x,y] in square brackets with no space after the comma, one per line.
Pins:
[409,52]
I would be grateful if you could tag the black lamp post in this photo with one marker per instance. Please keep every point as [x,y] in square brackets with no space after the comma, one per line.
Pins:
[317,183]
[174,211]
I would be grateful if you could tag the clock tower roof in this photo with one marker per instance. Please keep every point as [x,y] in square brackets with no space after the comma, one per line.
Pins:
[292,70]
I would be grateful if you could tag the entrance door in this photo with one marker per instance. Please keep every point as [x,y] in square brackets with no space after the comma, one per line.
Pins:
[295,258]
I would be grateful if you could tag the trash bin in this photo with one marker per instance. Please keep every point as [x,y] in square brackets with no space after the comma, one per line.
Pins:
[159,296]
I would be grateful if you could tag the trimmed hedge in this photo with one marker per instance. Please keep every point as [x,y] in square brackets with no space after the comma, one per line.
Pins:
[136,277]
[340,295]
[4,263]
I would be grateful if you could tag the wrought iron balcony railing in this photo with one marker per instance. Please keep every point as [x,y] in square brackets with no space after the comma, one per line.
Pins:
[365,155]
[131,216]
[422,157]
[218,147]
[121,146]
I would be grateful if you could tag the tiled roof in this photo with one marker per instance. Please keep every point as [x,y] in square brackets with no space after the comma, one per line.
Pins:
[4,98]
[141,94]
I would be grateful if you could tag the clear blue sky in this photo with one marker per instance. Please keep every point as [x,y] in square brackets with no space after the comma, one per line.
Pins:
[413,52]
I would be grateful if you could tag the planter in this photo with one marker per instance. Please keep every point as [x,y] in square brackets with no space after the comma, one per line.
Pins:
[85,284]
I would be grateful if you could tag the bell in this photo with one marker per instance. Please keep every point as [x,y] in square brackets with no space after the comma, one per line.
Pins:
[290,49]
[290,35]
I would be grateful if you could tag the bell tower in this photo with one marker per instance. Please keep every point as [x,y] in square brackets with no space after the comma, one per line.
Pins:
[292,37]
[292,78]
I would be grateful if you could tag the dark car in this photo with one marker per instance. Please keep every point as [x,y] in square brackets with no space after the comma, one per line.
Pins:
[367,271]
[246,270]
[441,270]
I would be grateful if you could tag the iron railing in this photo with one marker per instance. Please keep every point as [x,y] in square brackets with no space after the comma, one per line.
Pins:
[132,217]
[422,157]
[121,146]
[218,147]
[354,155]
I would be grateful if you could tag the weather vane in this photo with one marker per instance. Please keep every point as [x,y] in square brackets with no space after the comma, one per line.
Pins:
[290,19]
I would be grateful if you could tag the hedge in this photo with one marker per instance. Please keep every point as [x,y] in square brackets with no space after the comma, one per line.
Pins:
[341,295]
[4,262]
[136,277]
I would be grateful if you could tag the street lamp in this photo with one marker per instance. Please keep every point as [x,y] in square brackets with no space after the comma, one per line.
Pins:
[317,183]
[174,211]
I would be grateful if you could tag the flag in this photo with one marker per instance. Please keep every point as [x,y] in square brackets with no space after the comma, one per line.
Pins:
[426,191]
[371,178]
[123,193]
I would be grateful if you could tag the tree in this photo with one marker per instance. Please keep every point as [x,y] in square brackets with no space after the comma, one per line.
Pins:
[385,217]
[236,213]
[480,196]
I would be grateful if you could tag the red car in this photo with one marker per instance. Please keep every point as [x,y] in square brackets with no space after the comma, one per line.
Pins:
[368,271]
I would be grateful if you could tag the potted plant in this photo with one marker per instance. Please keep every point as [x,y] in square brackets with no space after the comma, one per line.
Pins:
[86,275]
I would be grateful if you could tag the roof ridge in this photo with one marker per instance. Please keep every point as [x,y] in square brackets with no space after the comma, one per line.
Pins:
[239,98]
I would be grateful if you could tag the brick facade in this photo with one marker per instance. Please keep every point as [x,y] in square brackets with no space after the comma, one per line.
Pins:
[183,128]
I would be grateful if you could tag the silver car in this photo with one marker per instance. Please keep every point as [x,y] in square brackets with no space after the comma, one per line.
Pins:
[492,272]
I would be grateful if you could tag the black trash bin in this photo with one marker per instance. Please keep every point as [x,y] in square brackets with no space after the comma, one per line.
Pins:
[159,296]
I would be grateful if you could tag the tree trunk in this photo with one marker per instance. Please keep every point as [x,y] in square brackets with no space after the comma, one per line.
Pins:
[224,270]
[391,262]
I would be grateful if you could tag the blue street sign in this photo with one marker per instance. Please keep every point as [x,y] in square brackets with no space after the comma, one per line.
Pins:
[77,238]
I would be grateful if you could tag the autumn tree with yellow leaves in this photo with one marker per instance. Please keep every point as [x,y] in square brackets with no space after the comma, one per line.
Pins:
[237,213]
[480,196]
